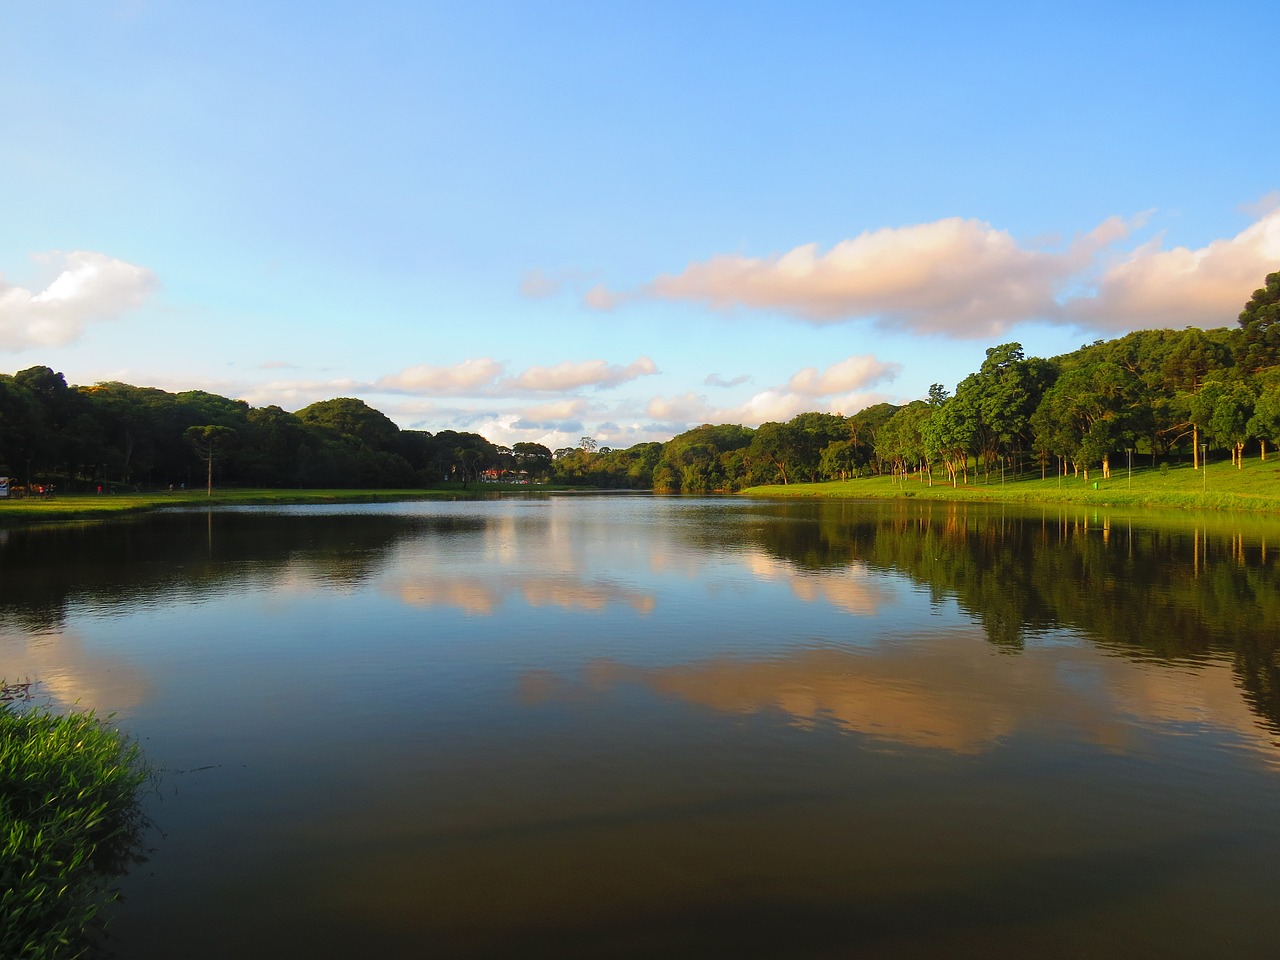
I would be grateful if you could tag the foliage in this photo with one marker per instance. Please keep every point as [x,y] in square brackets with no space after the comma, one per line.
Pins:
[69,827]
[1259,345]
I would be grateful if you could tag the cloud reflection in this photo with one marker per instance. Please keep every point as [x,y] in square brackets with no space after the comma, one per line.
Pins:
[70,674]
[951,691]
[484,595]
[853,588]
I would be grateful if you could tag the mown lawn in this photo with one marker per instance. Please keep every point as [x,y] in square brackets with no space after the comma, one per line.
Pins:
[1255,487]
[93,506]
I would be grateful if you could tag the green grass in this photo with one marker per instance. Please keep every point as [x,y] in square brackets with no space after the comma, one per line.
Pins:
[1256,487]
[91,506]
[70,824]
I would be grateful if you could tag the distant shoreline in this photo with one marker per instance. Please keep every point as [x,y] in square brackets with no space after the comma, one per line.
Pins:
[1254,489]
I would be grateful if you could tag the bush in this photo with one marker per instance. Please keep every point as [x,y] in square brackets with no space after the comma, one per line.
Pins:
[70,826]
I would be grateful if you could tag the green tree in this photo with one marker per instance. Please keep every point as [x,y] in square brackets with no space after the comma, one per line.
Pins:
[1259,345]
[1001,398]
[1223,410]
[864,426]
[1090,412]
[1265,422]
[949,432]
[210,443]
[902,442]
[776,450]
[354,419]
[533,458]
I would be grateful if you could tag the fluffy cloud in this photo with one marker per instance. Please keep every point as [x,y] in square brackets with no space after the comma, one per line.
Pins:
[841,388]
[1207,286]
[561,415]
[686,408]
[782,405]
[588,373]
[852,373]
[961,277]
[88,287]
[965,278]
[469,377]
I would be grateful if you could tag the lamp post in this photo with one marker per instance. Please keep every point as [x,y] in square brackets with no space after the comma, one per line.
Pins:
[1129,451]
[1204,464]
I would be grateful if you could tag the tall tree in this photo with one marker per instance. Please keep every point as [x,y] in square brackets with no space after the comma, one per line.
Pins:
[210,443]
[1260,327]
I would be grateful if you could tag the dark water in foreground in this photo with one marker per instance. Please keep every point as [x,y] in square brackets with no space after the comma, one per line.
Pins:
[644,727]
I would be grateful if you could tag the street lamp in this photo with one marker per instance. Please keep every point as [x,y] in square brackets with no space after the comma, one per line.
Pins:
[1129,451]
[1204,464]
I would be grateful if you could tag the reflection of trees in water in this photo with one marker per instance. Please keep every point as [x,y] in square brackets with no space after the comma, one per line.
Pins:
[126,562]
[1167,593]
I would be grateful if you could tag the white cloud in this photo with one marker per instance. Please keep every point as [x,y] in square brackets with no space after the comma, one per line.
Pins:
[570,409]
[686,408]
[961,277]
[571,376]
[89,287]
[852,373]
[469,377]
[964,278]
[1208,286]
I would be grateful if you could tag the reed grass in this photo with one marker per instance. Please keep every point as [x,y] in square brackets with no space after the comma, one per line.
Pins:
[70,826]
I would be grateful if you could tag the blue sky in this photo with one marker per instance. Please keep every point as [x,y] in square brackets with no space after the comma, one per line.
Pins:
[541,221]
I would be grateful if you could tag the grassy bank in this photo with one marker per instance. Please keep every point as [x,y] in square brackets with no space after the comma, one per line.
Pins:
[102,506]
[69,827]
[1222,486]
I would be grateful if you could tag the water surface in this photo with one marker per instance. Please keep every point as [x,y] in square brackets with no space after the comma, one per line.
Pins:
[636,726]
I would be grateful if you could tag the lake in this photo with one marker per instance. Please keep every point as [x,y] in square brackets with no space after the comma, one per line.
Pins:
[639,726]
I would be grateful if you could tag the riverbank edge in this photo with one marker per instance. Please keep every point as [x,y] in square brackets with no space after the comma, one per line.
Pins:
[1219,491]
[1215,496]
[94,507]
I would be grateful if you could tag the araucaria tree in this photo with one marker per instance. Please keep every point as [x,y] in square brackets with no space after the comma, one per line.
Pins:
[210,443]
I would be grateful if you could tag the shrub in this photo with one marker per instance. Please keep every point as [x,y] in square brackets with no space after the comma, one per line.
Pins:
[70,825]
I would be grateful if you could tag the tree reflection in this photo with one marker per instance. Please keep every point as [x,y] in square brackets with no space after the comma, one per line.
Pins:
[1170,592]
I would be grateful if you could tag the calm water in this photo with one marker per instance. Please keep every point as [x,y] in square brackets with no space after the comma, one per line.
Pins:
[648,727]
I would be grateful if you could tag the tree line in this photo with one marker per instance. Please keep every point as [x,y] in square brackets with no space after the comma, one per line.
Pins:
[117,435]
[1161,394]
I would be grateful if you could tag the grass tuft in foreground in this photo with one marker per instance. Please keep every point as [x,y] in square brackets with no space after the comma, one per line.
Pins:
[70,826]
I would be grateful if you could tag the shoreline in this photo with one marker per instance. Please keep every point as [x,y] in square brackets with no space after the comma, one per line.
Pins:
[1223,488]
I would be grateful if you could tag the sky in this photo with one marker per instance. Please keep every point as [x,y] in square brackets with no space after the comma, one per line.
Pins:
[542,221]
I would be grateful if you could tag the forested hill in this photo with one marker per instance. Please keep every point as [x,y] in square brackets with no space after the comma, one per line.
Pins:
[1160,393]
